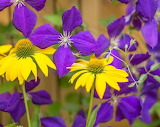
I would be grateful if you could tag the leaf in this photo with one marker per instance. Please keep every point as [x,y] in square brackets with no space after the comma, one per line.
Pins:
[106,22]
[54,109]
[7,86]
[93,116]
[132,84]
[155,66]
[142,78]
[35,118]
[156,77]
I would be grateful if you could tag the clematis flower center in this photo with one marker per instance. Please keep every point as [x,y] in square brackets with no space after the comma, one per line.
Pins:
[95,66]
[65,39]
[24,48]
[114,42]
[20,3]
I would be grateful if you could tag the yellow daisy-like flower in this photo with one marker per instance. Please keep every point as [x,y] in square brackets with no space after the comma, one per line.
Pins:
[24,59]
[4,49]
[98,72]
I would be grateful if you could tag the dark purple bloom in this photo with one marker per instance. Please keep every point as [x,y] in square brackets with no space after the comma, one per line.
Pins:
[23,18]
[83,41]
[138,58]
[80,120]
[4,100]
[124,1]
[116,27]
[52,122]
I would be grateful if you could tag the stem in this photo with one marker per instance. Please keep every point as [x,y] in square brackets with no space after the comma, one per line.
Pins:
[90,106]
[26,105]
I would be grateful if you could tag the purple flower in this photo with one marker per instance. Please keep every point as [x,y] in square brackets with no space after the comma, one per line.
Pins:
[52,122]
[23,18]
[128,107]
[14,104]
[63,57]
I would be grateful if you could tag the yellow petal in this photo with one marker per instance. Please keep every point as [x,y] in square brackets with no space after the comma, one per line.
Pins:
[90,82]
[34,70]
[76,75]
[111,82]
[48,50]
[117,78]
[76,68]
[42,65]
[110,60]
[118,72]
[26,67]
[85,78]
[100,85]
[5,48]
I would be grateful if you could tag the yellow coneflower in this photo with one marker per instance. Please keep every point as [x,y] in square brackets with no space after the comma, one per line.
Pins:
[98,72]
[4,49]
[23,59]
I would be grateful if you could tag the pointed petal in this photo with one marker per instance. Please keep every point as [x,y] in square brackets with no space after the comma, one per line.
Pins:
[5,48]
[63,58]
[18,112]
[71,19]
[84,43]
[41,97]
[116,27]
[45,36]
[31,84]
[38,5]
[105,113]
[4,98]
[102,44]
[146,8]
[4,4]
[138,58]
[89,83]
[79,121]
[150,37]
[129,108]
[52,122]
[24,20]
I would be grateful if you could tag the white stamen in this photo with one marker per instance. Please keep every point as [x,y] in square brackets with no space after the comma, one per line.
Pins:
[20,3]
[65,39]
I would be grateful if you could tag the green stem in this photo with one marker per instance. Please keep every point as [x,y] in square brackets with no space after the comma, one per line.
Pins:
[90,106]
[26,105]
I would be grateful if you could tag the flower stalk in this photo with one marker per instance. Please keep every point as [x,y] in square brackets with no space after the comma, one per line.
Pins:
[90,106]
[26,105]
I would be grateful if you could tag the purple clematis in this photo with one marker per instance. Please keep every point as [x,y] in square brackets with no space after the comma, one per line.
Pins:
[63,57]
[23,18]
[128,107]
[14,104]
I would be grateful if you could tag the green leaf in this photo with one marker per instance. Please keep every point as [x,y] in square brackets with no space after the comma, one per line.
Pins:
[54,109]
[156,77]
[132,84]
[35,118]
[7,86]
[155,66]
[142,78]
[106,22]
[93,116]
[13,125]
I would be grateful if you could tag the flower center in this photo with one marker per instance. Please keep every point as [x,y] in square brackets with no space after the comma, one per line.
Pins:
[96,66]
[24,48]
[65,39]
[20,3]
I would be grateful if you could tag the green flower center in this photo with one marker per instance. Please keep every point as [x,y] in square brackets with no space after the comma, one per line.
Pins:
[24,48]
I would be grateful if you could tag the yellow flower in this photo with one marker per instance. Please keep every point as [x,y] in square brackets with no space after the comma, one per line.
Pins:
[24,59]
[98,72]
[4,49]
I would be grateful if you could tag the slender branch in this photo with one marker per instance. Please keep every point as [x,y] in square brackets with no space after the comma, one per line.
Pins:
[90,106]
[26,105]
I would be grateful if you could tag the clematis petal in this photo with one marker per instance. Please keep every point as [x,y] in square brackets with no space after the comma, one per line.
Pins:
[84,43]
[13,102]
[63,58]
[71,19]
[38,5]
[79,121]
[41,97]
[138,58]
[45,36]
[31,84]
[18,112]
[4,98]
[115,28]
[124,1]
[102,44]
[4,4]
[124,41]
[107,93]
[150,37]
[24,20]
[146,8]
[104,114]
[52,122]
[129,108]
